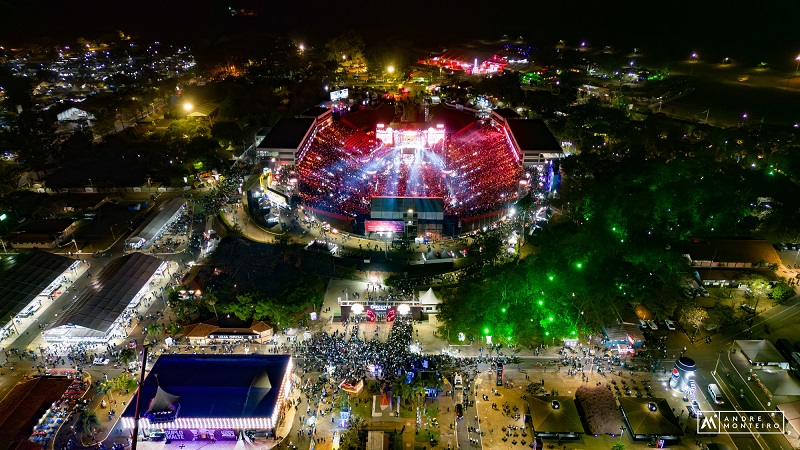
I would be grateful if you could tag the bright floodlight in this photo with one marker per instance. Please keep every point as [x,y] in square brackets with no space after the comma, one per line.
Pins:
[390,69]
[187,106]
[403,309]
[357,309]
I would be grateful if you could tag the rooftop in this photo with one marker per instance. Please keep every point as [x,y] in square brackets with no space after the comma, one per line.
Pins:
[23,276]
[287,133]
[217,386]
[533,135]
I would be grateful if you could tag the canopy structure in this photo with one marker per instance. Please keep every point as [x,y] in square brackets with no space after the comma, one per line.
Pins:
[226,392]
[169,212]
[163,405]
[98,309]
[761,352]
[553,414]
[429,298]
[24,276]
[649,416]
[778,382]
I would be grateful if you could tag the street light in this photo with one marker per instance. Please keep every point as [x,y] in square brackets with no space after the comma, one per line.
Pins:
[798,65]
[187,107]
[390,69]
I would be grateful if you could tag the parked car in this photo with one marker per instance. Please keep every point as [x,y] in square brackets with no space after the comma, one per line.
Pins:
[748,308]
[669,324]
[652,325]
[100,361]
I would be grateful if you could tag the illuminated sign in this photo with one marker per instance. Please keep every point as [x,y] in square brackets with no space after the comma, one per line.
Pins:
[391,226]
[742,422]
[338,95]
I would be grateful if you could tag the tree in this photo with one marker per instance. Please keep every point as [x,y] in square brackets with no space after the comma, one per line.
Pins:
[619,445]
[174,329]
[154,330]
[87,423]
[353,438]
[127,355]
[693,316]
[782,292]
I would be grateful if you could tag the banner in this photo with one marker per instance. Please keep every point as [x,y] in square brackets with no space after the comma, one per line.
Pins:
[393,226]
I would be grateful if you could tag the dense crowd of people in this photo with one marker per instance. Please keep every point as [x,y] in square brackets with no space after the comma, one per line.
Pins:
[342,168]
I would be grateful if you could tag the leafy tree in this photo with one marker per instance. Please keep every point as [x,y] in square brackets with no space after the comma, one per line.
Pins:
[154,330]
[174,329]
[127,355]
[354,438]
[693,316]
[86,423]
[782,292]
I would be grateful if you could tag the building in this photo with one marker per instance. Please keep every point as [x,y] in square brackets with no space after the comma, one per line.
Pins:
[554,416]
[100,311]
[729,253]
[650,418]
[532,138]
[420,216]
[287,139]
[73,114]
[226,329]
[42,233]
[27,280]
[23,406]
[168,213]
[212,397]
[735,277]
[761,352]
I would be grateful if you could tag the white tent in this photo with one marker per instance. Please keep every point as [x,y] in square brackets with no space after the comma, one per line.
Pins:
[429,298]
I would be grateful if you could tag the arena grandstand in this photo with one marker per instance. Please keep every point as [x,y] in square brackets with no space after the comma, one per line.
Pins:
[474,170]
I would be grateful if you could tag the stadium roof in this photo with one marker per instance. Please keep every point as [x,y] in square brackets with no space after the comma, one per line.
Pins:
[507,113]
[23,276]
[217,386]
[368,119]
[107,295]
[779,382]
[547,419]
[314,112]
[165,214]
[287,133]
[644,421]
[533,134]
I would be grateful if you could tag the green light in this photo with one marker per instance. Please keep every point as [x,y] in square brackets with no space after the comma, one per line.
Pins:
[579,265]
[3,217]
[547,333]
[485,331]
[551,278]
[551,318]
[504,310]
[574,333]
[614,229]
[541,302]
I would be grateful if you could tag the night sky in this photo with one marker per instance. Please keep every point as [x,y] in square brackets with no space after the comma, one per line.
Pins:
[753,32]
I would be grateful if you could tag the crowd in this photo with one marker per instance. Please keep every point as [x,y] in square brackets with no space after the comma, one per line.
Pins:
[341,168]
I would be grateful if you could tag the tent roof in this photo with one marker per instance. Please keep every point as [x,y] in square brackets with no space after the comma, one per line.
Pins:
[165,214]
[163,401]
[760,351]
[23,276]
[661,422]
[546,419]
[107,295]
[429,298]
[779,382]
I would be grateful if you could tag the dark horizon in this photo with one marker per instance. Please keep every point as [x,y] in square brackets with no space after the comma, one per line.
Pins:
[714,28]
